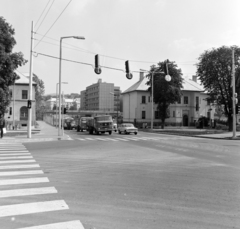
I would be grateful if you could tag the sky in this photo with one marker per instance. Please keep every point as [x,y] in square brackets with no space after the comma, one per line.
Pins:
[141,31]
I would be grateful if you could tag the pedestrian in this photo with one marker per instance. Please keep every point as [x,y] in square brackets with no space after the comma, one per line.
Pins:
[2,124]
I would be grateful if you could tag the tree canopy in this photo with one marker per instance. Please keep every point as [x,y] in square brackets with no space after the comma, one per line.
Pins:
[214,69]
[9,62]
[164,92]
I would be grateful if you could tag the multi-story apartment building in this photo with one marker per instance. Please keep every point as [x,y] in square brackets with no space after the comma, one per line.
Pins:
[101,96]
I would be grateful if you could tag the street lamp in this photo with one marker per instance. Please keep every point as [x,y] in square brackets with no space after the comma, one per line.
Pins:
[60,83]
[56,98]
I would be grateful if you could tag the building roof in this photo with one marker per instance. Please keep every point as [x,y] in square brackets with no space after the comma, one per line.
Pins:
[188,85]
[24,78]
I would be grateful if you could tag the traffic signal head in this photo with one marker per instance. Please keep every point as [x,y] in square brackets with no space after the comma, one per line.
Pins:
[129,74]
[97,68]
[165,67]
[29,104]
[237,109]
[64,110]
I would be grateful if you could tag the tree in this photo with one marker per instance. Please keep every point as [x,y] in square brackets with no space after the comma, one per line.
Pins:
[215,72]
[9,62]
[74,106]
[165,93]
[39,93]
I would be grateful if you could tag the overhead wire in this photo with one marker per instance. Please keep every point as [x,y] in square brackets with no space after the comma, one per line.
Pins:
[42,13]
[45,15]
[53,23]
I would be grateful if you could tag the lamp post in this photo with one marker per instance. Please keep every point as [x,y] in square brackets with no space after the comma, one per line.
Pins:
[60,83]
[56,98]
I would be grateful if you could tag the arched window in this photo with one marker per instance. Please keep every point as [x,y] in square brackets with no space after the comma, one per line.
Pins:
[23,113]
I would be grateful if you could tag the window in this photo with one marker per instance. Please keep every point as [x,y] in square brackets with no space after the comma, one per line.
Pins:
[174,114]
[143,99]
[185,100]
[149,99]
[143,114]
[10,111]
[24,94]
[197,103]
[10,92]
[179,100]
[156,114]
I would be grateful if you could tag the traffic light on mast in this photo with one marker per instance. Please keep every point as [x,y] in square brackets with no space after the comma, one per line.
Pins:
[97,68]
[165,67]
[29,104]
[127,68]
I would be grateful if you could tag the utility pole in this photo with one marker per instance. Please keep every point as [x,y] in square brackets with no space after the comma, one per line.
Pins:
[30,86]
[233,97]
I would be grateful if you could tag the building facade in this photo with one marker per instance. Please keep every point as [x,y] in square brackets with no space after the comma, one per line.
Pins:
[101,96]
[17,112]
[137,106]
[53,102]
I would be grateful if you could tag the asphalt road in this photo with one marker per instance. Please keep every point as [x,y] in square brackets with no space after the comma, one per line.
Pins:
[136,181]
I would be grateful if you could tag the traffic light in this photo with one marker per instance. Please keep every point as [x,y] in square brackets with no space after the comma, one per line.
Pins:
[165,67]
[64,110]
[29,104]
[230,110]
[237,109]
[129,74]
[97,68]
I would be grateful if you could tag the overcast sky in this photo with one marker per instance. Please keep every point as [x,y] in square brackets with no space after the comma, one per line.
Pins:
[141,31]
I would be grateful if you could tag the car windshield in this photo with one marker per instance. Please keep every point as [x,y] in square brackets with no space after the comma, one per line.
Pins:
[129,125]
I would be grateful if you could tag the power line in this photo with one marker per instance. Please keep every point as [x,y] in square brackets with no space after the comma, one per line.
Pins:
[45,15]
[42,12]
[53,23]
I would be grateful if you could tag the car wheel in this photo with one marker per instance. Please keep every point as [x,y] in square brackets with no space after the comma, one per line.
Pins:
[110,132]
[135,133]
[125,132]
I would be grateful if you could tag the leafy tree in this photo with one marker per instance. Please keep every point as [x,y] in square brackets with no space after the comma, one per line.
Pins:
[219,111]
[74,106]
[215,72]
[39,93]
[165,93]
[9,62]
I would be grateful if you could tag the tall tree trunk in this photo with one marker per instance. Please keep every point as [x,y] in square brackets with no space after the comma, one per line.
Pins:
[163,123]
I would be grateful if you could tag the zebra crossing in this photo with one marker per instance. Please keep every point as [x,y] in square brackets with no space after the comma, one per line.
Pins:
[21,177]
[123,139]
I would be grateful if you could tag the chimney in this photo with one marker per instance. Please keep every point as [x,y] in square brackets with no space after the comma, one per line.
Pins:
[194,78]
[141,76]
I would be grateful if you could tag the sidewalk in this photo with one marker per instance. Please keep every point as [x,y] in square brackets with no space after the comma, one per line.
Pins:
[44,132]
[200,133]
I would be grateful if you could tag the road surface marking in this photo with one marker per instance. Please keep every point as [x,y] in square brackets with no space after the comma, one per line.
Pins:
[27,192]
[111,139]
[81,139]
[14,154]
[15,157]
[19,166]
[132,139]
[30,208]
[121,139]
[64,225]
[101,139]
[89,139]
[17,173]
[13,151]
[17,161]
[24,181]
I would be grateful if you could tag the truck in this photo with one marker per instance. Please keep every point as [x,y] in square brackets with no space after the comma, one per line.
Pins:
[82,123]
[100,124]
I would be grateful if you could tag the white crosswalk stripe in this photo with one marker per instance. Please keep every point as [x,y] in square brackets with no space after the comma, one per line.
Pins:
[76,224]
[27,192]
[12,158]
[19,173]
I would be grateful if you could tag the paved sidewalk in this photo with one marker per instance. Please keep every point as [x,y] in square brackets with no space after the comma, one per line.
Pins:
[45,132]
[195,133]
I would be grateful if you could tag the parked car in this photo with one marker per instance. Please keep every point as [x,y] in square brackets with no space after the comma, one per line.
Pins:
[127,128]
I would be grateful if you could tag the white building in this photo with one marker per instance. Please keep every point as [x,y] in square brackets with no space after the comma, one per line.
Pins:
[67,103]
[137,105]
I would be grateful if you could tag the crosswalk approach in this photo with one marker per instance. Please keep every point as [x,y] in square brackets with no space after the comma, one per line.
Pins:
[123,139]
[21,177]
